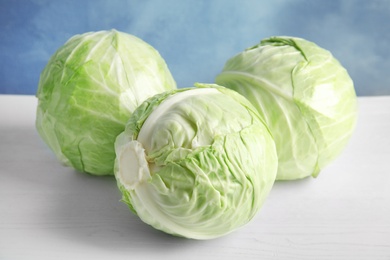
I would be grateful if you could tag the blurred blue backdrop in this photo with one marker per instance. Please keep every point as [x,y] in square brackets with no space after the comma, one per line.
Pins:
[197,37]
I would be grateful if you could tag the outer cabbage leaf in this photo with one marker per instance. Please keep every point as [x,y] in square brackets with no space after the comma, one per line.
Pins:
[303,93]
[195,162]
[87,92]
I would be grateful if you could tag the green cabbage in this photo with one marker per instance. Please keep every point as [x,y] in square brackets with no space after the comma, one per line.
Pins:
[89,89]
[195,162]
[305,96]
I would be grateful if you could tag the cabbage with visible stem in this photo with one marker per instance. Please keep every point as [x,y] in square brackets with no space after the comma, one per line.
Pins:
[89,89]
[305,96]
[195,162]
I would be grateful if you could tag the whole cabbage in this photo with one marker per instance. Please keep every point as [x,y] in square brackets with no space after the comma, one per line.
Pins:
[305,96]
[89,89]
[195,162]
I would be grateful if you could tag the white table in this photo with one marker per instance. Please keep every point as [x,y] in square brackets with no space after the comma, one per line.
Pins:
[48,211]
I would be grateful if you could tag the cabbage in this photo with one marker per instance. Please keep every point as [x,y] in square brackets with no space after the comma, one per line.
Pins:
[305,96]
[195,162]
[89,89]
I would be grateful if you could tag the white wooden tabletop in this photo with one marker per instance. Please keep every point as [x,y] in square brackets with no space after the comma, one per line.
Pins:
[48,211]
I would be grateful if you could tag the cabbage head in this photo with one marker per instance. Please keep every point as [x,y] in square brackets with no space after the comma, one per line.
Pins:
[305,96]
[87,92]
[195,162]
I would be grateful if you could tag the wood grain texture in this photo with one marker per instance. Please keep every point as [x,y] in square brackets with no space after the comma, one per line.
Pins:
[48,211]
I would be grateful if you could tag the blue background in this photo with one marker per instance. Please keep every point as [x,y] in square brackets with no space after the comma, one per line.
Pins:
[197,37]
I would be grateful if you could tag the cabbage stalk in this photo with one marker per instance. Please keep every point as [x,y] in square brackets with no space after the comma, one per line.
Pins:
[87,92]
[195,162]
[305,96]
